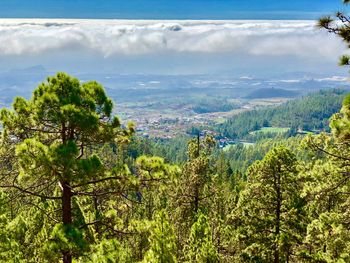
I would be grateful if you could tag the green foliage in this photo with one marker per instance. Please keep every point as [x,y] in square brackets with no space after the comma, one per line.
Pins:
[172,150]
[52,133]
[241,157]
[200,246]
[307,113]
[211,104]
[77,187]
[338,25]
[108,251]
[66,238]
[269,210]
[340,123]
[329,238]
[326,188]
[162,241]
[193,186]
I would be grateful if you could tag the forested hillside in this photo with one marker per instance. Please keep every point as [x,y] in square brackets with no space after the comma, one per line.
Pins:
[271,93]
[252,126]
[308,113]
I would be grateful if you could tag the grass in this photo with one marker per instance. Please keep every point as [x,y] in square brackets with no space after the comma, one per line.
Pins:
[220,120]
[245,144]
[228,147]
[277,130]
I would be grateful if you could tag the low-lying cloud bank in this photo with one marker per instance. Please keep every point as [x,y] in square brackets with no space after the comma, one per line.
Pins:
[126,37]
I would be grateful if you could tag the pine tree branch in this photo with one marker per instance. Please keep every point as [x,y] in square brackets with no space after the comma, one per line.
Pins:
[328,153]
[30,193]
[97,181]
[95,194]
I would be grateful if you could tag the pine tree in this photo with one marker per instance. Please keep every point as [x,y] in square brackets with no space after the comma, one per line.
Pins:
[52,133]
[338,24]
[222,202]
[108,251]
[268,212]
[200,247]
[327,188]
[162,241]
[196,175]
[194,186]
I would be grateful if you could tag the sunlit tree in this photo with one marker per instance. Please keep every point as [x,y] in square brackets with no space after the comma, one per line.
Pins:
[52,132]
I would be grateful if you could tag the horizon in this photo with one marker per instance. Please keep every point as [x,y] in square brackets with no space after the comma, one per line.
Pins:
[181,9]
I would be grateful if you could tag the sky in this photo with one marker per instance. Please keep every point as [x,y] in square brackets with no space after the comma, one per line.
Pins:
[167,9]
[251,37]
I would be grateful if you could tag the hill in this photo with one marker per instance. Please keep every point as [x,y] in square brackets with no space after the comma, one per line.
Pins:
[271,93]
[307,113]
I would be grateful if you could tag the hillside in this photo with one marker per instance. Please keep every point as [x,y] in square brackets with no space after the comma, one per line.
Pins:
[271,93]
[307,113]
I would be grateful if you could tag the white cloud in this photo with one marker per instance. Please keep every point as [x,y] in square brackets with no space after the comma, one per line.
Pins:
[113,37]
[334,78]
[290,80]
[246,78]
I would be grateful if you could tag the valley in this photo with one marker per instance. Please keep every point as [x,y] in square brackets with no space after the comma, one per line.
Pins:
[167,106]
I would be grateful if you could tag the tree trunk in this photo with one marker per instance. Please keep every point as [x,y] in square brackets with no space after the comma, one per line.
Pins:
[97,215]
[66,215]
[67,257]
[277,232]
[196,200]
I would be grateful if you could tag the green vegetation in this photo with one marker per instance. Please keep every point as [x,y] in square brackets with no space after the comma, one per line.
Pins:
[88,189]
[241,156]
[308,113]
[276,130]
[212,104]
[271,93]
[271,204]
[77,186]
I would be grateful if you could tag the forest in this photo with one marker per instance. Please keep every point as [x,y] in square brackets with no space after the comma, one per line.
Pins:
[77,185]
[308,113]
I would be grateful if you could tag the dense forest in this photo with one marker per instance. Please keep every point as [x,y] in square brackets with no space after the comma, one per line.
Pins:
[78,186]
[308,113]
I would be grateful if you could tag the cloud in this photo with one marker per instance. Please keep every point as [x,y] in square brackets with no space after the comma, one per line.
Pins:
[334,78]
[290,80]
[126,37]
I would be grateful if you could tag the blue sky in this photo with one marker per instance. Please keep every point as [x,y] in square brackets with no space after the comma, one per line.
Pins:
[166,9]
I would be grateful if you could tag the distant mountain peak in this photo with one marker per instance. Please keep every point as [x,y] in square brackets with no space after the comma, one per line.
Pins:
[37,69]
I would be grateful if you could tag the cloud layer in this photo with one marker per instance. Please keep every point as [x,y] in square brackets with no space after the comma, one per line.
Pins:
[130,38]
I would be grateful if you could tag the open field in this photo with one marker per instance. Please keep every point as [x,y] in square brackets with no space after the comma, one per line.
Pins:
[271,130]
[245,144]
